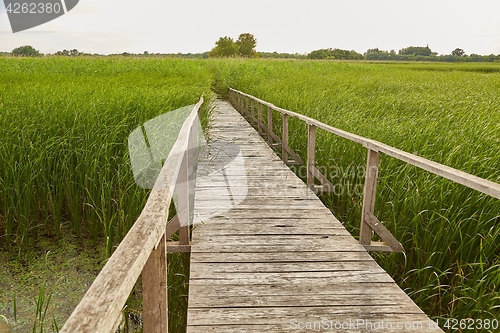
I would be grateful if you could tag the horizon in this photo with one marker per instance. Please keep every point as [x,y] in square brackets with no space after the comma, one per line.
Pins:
[280,26]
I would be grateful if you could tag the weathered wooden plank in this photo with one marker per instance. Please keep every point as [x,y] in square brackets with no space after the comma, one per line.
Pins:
[284,139]
[295,256]
[251,229]
[251,205]
[223,248]
[259,118]
[204,194]
[474,182]
[369,194]
[154,290]
[269,125]
[302,300]
[322,325]
[293,193]
[299,197]
[320,219]
[283,315]
[294,279]
[268,213]
[321,287]
[278,239]
[311,141]
[102,305]
[172,226]
[182,187]
[327,185]
[204,270]
[259,179]
[176,247]
[254,186]
[276,258]
[376,226]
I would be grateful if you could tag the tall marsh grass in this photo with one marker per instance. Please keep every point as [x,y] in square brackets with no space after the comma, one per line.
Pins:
[64,163]
[63,144]
[64,160]
[451,234]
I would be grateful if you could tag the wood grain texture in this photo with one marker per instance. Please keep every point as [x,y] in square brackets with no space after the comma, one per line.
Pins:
[458,176]
[154,290]
[369,195]
[101,307]
[279,254]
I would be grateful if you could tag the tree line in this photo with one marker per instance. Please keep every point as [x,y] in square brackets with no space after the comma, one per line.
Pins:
[246,43]
[411,53]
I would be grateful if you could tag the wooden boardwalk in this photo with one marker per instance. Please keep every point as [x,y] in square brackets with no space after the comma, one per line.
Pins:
[268,256]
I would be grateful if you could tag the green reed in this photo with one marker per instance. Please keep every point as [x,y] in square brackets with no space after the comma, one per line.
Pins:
[64,156]
[451,263]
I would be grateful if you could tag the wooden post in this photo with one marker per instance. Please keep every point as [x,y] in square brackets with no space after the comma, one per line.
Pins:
[284,139]
[259,118]
[154,291]
[246,107]
[311,140]
[369,194]
[192,157]
[252,111]
[183,201]
[269,125]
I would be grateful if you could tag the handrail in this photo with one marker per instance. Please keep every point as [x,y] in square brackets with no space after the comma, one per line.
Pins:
[369,222]
[457,176]
[143,250]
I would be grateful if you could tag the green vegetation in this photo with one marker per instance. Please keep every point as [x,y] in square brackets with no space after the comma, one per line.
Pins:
[67,193]
[64,164]
[64,153]
[334,54]
[26,51]
[449,114]
[417,51]
[244,46]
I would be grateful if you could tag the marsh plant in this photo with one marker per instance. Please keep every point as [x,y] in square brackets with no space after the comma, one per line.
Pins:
[446,113]
[64,160]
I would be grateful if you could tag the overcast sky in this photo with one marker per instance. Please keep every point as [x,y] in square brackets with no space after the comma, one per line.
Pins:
[116,26]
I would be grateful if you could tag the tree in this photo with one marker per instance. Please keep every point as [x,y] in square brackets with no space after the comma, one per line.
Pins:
[458,52]
[246,44]
[335,54]
[417,51]
[376,54]
[224,47]
[26,51]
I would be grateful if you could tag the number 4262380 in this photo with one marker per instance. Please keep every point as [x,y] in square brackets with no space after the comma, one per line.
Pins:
[471,324]
[33,8]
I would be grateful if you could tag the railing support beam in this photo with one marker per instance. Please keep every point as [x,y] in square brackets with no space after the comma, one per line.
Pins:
[252,113]
[269,125]
[259,118]
[284,138]
[369,194]
[311,142]
[154,291]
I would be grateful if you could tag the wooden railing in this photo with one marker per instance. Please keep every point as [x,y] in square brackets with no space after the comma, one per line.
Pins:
[369,223]
[143,250]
